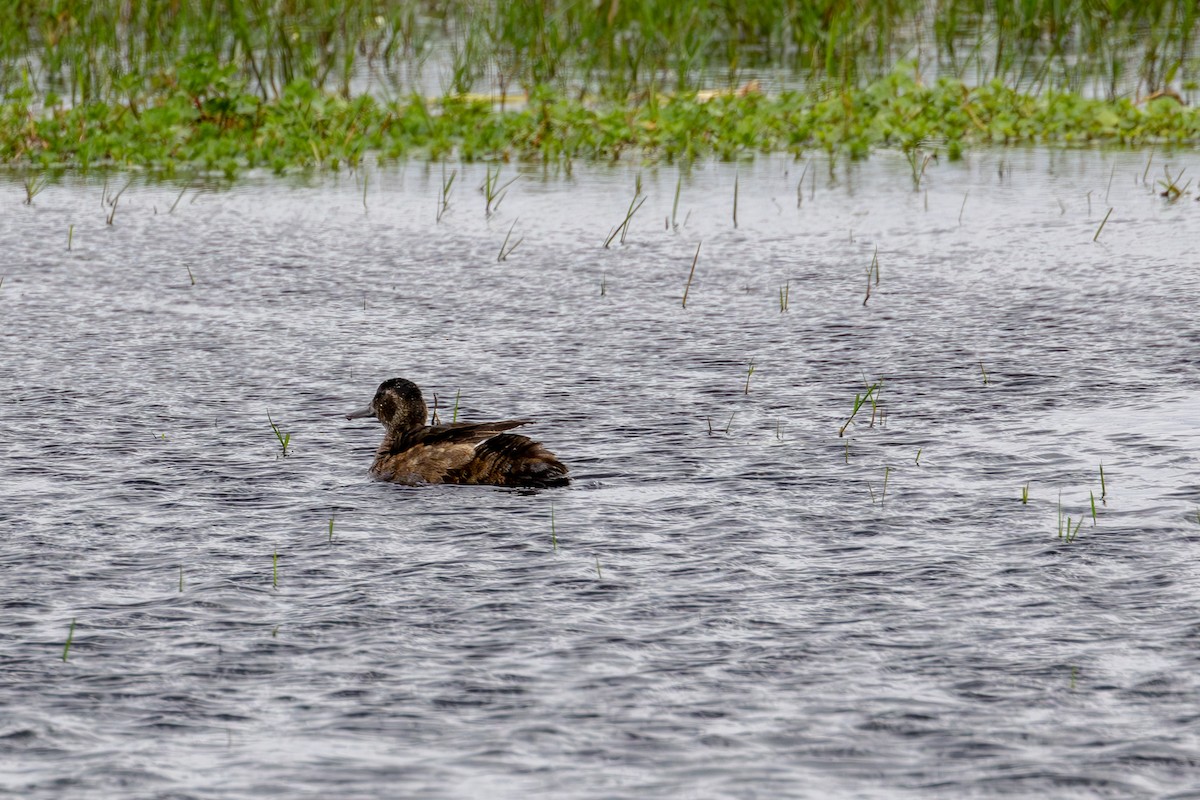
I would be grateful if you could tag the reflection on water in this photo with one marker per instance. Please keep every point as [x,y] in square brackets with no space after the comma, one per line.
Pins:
[741,603]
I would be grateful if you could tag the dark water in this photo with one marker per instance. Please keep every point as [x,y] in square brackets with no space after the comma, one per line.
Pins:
[746,612]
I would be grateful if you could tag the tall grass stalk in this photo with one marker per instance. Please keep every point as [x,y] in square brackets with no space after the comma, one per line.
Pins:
[691,274]
[70,638]
[283,438]
[1103,222]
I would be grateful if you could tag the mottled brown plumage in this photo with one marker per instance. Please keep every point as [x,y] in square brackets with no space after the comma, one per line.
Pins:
[463,452]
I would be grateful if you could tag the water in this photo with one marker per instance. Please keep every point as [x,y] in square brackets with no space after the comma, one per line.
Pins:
[736,607]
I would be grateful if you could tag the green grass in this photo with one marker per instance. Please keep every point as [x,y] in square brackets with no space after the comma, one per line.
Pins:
[216,123]
[70,638]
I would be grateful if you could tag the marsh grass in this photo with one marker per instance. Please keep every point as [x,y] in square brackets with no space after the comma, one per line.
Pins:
[446,187]
[275,570]
[1103,222]
[191,277]
[553,530]
[1065,530]
[70,236]
[635,204]
[1103,485]
[691,274]
[1025,494]
[112,201]
[493,191]
[34,185]
[284,439]
[784,292]
[749,374]
[70,638]
[331,530]
[505,250]
[1170,187]
[181,578]
[859,401]
[917,460]
[983,372]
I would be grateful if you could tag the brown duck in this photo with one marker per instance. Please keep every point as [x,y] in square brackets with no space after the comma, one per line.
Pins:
[462,452]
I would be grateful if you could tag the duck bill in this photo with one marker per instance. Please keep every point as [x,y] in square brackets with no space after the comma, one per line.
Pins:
[361,413]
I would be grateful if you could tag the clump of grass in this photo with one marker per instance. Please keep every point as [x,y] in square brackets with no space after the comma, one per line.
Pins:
[112,201]
[191,277]
[454,414]
[634,205]
[331,530]
[283,438]
[917,460]
[784,292]
[494,191]
[275,570]
[1025,494]
[1065,531]
[34,186]
[1103,486]
[983,372]
[859,401]
[181,578]
[749,373]
[553,530]
[1170,185]
[70,236]
[505,250]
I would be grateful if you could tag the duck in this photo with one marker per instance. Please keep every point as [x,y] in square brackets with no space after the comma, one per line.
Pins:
[477,453]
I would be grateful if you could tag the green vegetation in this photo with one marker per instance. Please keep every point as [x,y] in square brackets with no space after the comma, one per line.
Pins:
[284,439]
[70,638]
[227,86]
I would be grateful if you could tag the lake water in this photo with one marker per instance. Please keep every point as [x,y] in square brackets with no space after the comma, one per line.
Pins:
[731,600]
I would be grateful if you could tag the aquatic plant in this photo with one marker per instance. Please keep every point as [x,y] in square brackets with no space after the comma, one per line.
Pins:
[444,193]
[34,186]
[1065,531]
[505,250]
[70,638]
[283,438]
[1103,486]
[1103,222]
[553,530]
[331,530]
[691,274]
[494,191]
[275,570]
[859,401]
[634,204]
[784,292]
[749,373]
[1025,494]
[1170,185]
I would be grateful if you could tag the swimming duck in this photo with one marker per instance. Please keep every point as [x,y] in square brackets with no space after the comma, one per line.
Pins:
[462,452]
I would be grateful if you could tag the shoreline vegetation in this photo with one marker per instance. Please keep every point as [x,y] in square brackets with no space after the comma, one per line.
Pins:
[201,85]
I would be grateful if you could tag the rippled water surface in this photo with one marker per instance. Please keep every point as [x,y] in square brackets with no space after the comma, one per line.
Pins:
[730,601]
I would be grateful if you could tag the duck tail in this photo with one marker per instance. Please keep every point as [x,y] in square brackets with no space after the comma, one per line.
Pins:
[514,460]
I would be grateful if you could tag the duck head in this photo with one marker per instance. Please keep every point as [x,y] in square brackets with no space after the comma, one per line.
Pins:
[397,404]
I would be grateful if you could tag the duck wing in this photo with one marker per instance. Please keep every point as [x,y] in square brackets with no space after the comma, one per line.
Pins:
[510,459]
[469,432]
